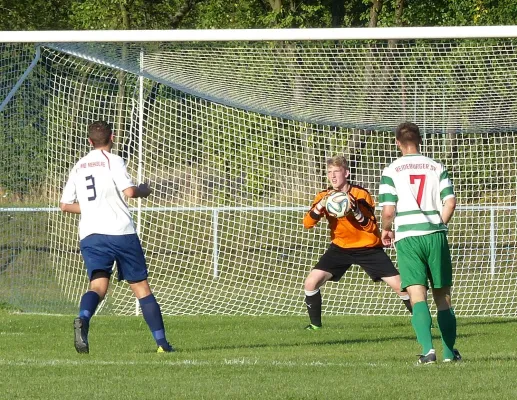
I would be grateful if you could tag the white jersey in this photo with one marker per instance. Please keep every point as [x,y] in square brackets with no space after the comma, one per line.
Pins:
[417,186]
[96,183]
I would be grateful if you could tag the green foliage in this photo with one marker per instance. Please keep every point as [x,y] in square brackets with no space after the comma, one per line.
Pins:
[217,14]
[22,157]
[446,13]
[103,14]
[357,13]
[27,15]
[492,12]
[4,306]
[306,14]
[223,14]
[22,126]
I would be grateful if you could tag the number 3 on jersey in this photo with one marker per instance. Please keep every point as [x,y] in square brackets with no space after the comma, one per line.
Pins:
[91,187]
[420,179]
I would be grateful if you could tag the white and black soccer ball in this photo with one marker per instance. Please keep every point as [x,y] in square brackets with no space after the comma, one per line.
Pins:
[338,204]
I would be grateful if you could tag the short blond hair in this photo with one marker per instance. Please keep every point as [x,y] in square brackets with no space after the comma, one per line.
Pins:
[337,161]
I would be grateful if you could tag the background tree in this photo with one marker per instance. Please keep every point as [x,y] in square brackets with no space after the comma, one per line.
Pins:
[26,15]
[213,14]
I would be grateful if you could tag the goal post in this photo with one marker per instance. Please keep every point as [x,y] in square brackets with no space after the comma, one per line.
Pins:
[232,129]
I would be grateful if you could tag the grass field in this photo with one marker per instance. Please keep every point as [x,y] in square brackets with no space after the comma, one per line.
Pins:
[251,358]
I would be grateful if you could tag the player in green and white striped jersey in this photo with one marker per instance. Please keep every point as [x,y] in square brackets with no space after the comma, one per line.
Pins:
[417,196]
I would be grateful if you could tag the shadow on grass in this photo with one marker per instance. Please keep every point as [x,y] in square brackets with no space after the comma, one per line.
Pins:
[467,322]
[330,342]
[304,343]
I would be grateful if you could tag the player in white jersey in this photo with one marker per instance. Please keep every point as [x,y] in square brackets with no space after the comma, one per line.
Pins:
[107,233]
[417,197]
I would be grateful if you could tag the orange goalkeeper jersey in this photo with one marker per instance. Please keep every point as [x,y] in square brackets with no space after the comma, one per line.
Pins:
[346,232]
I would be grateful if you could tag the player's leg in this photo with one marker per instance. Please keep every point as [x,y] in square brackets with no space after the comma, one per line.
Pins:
[394,283]
[151,313]
[87,307]
[90,300]
[446,322]
[313,301]
[379,266]
[99,264]
[413,268]
[440,266]
[421,322]
[331,266]
[133,268]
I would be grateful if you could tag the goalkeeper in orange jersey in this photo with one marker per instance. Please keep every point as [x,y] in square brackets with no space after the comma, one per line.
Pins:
[355,239]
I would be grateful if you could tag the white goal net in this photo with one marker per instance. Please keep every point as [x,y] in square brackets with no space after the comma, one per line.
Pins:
[233,137]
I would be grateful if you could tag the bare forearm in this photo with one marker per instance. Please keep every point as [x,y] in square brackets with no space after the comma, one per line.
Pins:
[387,223]
[73,208]
[447,213]
[388,216]
[448,209]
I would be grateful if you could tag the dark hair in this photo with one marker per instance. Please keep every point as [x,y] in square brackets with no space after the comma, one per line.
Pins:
[99,133]
[408,132]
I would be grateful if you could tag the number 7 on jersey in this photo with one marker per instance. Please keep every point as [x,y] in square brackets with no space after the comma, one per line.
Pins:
[421,182]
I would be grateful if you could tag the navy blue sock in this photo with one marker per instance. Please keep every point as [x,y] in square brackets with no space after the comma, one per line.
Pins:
[153,317]
[88,305]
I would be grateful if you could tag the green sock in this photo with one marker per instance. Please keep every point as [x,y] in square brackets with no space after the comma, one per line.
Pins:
[447,324]
[421,322]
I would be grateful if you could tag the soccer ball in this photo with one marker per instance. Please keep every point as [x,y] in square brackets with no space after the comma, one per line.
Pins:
[338,204]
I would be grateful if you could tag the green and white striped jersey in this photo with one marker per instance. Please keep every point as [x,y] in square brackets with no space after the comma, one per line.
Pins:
[417,186]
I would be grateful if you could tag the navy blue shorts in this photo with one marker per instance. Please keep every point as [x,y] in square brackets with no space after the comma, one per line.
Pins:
[101,251]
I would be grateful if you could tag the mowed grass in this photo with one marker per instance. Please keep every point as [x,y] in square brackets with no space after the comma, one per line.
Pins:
[248,357]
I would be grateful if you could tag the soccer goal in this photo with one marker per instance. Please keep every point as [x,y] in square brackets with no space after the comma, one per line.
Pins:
[232,130]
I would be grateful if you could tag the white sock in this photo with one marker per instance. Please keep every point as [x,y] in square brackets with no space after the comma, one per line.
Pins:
[311,292]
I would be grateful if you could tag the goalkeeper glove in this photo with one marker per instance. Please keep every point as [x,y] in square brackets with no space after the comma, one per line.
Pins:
[322,204]
[355,210]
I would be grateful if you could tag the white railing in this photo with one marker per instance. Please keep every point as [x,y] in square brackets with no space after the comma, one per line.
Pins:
[215,221]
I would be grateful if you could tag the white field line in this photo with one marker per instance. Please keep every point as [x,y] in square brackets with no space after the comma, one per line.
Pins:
[178,363]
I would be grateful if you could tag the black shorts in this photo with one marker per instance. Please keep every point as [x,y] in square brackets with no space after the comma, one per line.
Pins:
[374,261]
